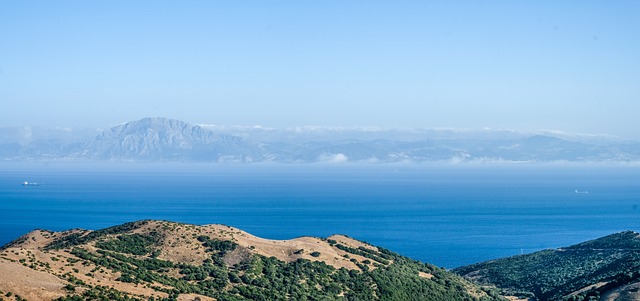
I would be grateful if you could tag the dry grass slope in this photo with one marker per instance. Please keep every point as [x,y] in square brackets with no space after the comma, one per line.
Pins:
[45,265]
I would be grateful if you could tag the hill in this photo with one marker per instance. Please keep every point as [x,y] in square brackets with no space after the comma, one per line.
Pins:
[159,260]
[607,268]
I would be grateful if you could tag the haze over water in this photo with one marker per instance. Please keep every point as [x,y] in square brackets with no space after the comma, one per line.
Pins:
[443,214]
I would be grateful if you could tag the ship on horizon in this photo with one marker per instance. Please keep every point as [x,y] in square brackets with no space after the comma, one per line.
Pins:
[27,183]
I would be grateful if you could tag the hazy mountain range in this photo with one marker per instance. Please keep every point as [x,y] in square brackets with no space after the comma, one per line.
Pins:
[162,139]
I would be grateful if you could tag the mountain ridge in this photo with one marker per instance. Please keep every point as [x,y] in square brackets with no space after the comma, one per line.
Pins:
[163,139]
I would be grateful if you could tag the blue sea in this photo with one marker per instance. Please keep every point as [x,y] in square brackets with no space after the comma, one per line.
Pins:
[448,215]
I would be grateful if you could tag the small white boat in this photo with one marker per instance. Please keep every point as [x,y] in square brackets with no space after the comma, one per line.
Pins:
[26,183]
[581,191]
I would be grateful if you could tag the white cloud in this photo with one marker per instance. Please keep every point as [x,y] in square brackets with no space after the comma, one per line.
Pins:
[333,158]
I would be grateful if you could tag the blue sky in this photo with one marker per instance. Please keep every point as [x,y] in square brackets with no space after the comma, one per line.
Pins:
[564,65]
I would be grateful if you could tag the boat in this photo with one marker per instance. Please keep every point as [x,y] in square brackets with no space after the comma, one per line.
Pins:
[581,191]
[26,183]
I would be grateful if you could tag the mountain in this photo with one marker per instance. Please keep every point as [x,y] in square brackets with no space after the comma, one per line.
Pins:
[160,260]
[162,139]
[607,268]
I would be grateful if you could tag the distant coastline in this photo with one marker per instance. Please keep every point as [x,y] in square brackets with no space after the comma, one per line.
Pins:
[170,140]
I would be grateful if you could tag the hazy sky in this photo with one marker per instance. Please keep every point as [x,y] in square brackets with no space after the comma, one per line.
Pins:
[564,65]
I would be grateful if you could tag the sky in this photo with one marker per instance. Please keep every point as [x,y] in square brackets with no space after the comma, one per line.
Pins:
[571,66]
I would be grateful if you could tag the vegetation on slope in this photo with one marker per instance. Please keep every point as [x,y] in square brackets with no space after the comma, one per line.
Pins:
[579,272]
[134,254]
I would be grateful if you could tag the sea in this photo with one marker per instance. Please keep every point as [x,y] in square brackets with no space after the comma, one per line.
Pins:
[445,214]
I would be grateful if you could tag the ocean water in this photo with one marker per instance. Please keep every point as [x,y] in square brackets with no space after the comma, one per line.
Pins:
[448,215]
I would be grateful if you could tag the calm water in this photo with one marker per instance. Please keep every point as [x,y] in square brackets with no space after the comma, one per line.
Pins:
[446,215]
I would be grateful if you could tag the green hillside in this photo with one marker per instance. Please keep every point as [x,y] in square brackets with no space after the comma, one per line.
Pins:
[583,271]
[152,260]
